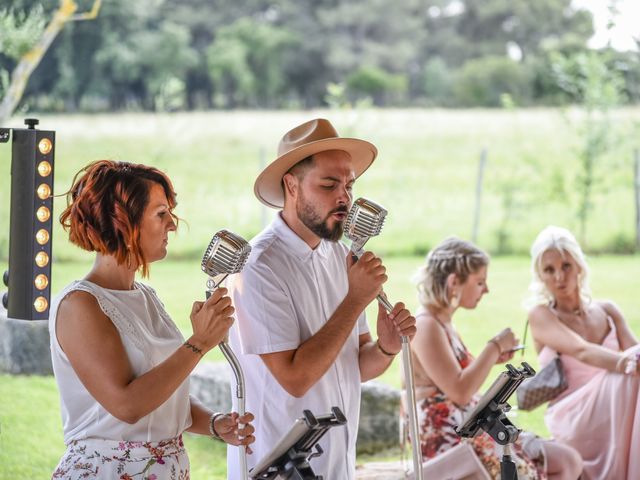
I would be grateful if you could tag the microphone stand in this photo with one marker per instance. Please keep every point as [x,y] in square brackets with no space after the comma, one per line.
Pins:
[238,373]
[407,366]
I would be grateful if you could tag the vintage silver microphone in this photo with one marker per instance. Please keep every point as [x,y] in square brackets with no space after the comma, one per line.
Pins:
[365,220]
[226,254]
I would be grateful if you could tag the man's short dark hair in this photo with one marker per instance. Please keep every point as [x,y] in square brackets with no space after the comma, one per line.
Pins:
[299,170]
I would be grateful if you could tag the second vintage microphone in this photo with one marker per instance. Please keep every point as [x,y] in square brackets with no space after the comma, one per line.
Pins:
[365,220]
[227,254]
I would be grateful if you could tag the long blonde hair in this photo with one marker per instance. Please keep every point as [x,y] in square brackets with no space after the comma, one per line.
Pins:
[563,241]
[452,255]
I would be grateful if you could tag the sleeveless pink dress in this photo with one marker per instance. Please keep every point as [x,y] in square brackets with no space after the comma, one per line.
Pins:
[598,415]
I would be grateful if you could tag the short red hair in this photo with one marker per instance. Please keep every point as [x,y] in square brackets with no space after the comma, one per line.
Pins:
[105,206]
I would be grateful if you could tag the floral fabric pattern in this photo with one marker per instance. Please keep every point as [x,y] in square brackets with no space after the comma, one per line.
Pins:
[122,460]
[437,417]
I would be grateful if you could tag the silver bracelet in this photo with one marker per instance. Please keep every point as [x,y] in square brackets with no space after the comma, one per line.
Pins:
[212,428]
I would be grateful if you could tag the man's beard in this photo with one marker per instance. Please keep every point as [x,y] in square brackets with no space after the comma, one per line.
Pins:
[310,218]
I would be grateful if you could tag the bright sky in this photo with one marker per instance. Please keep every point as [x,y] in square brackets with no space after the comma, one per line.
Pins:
[627,23]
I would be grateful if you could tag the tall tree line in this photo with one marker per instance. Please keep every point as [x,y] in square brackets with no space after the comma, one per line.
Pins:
[202,54]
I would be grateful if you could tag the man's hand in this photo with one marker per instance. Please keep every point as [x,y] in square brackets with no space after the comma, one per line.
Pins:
[366,277]
[392,326]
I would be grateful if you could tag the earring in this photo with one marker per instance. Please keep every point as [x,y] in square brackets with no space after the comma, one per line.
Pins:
[455,301]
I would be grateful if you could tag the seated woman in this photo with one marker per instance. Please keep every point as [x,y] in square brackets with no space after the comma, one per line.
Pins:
[448,377]
[599,414]
[121,365]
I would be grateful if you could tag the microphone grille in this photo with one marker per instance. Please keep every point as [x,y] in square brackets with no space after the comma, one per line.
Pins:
[365,219]
[227,253]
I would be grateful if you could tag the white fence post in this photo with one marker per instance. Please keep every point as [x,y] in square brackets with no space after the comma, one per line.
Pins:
[476,215]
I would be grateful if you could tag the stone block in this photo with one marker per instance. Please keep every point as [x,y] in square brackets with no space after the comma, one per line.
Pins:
[379,423]
[379,418]
[24,346]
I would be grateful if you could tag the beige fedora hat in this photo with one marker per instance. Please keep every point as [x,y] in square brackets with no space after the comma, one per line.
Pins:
[304,140]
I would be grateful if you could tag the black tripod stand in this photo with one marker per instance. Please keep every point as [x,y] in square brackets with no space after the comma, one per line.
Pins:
[489,415]
[289,459]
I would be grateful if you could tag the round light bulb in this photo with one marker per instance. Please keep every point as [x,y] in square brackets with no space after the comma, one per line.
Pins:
[43,214]
[45,146]
[44,191]
[42,259]
[40,304]
[42,237]
[44,168]
[41,281]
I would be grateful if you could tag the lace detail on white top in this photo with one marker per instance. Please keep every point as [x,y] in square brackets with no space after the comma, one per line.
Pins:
[123,325]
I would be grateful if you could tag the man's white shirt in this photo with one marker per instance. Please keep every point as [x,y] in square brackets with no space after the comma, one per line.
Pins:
[284,295]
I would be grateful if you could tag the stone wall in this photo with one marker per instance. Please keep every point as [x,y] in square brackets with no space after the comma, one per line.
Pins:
[24,346]
[379,423]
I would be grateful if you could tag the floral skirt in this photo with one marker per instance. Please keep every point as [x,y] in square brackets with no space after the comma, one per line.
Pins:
[112,459]
[437,417]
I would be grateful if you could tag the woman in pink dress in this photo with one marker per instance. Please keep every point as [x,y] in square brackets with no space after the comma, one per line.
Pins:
[448,376]
[599,413]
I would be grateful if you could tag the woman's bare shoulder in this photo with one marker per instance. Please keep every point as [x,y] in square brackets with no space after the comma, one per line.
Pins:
[540,310]
[79,304]
[426,319]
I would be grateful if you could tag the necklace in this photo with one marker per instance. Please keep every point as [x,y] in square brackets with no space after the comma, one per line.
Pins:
[578,312]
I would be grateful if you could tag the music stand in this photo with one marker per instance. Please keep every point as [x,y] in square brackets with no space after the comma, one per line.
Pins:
[289,459]
[489,415]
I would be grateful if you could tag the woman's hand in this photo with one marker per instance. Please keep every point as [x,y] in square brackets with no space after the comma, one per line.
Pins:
[504,342]
[227,427]
[211,320]
[629,363]
[505,356]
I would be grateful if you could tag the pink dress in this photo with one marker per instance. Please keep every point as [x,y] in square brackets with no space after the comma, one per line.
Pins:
[598,415]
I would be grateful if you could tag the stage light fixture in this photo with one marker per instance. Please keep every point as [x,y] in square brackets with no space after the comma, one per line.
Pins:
[43,214]
[42,259]
[45,146]
[41,282]
[42,237]
[29,274]
[40,304]
[44,169]
[44,191]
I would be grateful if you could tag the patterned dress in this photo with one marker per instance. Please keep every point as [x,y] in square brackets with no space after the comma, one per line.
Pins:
[438,415]
[92,459]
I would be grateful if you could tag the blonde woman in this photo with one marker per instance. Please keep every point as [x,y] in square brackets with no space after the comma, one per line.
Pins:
[599,413]
[448,376]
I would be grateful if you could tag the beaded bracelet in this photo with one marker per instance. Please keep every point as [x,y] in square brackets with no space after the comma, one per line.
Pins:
[631,366]
[212,428]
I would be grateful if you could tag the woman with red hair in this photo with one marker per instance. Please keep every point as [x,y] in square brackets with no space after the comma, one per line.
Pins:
[121,365]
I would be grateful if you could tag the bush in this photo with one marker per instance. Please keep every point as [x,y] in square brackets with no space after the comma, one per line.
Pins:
[436,82]
[381,86]
[482,82]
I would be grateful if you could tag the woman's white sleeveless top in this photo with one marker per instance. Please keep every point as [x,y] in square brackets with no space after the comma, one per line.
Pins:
[149,336]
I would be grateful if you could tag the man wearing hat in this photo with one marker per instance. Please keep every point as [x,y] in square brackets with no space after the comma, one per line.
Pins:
[301,332]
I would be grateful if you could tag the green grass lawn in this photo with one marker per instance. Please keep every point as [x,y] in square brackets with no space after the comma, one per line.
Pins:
[30,428]
[425,173]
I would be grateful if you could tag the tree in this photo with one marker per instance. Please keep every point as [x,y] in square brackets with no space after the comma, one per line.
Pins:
[245,62]
[30,57]
[597,87]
